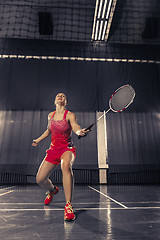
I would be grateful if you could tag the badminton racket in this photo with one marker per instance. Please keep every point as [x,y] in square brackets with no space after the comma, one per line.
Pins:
[119,101]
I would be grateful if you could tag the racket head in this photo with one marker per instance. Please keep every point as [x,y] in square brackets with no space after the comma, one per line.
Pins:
[122,98]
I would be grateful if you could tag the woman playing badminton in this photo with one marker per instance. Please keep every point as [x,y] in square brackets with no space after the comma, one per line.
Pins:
[60,125]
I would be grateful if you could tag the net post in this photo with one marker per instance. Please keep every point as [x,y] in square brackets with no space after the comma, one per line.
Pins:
[101,145]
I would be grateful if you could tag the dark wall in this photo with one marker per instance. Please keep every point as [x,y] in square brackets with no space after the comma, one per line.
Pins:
[32,84]
[133,141]
[27,89]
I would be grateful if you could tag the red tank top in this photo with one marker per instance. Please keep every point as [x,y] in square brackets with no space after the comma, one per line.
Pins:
[60,132]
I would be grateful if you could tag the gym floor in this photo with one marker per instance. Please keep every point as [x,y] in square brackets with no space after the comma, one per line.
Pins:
[103,212]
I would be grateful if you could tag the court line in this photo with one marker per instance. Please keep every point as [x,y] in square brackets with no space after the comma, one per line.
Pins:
[75,203]
[108,197]
[1,194]
[7,188]
[77,209]
[55,203]
[144,202]
[2,203]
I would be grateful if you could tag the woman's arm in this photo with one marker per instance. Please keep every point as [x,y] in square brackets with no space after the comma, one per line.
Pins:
[75,127]
[43,136]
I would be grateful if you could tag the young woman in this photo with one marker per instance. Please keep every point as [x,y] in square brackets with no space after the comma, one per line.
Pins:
[60,125]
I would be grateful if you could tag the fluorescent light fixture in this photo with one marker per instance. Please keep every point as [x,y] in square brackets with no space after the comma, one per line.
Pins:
[104,11]
[104,8]
[100,30]
[95,16]
[100,8]
[97,24]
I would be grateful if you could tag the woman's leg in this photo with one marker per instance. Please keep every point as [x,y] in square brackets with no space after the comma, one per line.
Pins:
[66,166]
[43,174]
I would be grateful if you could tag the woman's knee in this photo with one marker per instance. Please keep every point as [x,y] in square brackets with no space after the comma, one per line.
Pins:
[65,166]
[67,161]
[40,180]
[44,172]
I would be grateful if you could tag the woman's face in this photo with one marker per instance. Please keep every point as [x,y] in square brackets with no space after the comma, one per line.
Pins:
[61,99]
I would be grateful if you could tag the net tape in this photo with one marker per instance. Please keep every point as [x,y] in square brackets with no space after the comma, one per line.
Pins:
[78,59]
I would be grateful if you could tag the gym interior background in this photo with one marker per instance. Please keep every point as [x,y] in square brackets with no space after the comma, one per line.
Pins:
[86,49]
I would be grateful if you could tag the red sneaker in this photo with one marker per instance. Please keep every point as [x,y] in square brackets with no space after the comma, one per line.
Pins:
[68,212]
[50,195]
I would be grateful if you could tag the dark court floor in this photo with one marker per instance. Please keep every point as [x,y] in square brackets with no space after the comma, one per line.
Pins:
[103,212]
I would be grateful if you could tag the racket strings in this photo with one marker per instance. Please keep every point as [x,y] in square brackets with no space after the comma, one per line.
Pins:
[122,98]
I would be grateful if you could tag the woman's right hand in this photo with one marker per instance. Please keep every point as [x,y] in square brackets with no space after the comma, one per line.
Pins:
[34,143]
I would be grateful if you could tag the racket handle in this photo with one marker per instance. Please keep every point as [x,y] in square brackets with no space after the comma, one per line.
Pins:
[88,128]
[79,137]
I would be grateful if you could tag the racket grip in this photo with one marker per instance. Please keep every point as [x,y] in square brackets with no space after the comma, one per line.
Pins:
[88,128]
[79,137]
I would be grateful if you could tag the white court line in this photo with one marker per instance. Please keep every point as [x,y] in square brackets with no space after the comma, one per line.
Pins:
[77,209]
[86,203]
[1,194]
[118,208]
[144,202]
[55,203]
[2,203]
[7,188]
[79,203]
[108,197]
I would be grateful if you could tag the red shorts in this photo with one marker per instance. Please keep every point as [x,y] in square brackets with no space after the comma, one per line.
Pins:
[54,155]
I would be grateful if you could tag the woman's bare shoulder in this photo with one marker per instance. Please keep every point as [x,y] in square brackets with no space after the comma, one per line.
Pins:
[50,115]
[70,115]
